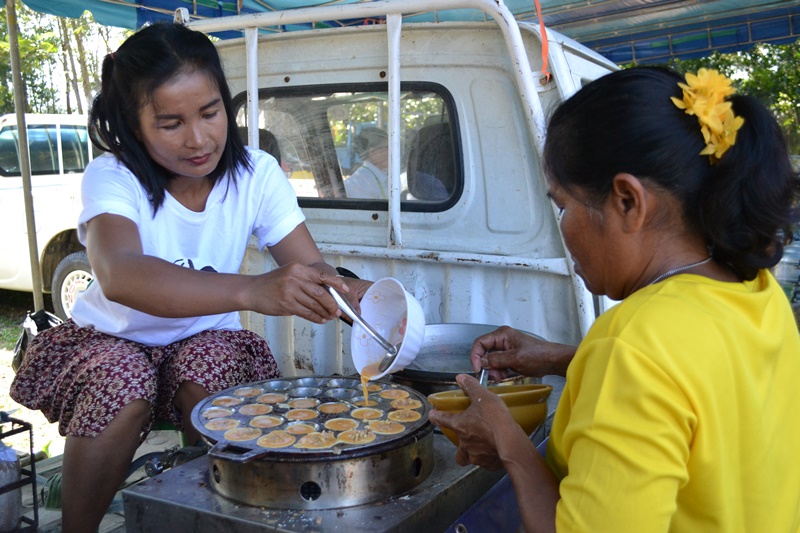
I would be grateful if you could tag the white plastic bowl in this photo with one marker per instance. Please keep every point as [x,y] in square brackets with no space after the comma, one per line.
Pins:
[397,316]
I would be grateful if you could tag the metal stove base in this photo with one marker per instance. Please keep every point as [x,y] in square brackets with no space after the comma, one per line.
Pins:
[181,500]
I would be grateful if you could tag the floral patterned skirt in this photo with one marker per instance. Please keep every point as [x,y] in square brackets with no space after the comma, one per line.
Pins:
[82,378]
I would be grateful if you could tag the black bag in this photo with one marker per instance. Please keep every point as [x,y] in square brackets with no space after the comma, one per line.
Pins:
[33,324]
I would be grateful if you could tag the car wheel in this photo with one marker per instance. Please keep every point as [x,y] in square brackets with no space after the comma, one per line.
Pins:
[72,276]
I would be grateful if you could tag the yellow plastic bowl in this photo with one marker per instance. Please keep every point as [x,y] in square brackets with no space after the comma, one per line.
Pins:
[527,403]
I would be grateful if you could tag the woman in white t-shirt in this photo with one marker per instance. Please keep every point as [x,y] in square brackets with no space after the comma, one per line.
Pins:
[167,216]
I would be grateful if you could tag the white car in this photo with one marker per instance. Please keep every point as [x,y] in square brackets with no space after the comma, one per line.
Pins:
[59,152]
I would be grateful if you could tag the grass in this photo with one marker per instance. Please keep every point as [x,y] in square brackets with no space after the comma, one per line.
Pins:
[13,307]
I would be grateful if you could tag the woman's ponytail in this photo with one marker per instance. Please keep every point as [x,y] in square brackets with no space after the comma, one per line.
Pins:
[748,204]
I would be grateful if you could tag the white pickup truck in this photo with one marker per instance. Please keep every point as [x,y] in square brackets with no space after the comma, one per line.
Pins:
[462,103]
[59,150]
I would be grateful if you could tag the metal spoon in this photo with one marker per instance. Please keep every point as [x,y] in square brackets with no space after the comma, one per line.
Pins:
[344,305]
[483,379]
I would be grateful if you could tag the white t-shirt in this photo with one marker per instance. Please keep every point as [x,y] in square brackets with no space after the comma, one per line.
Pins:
[368,181]
[261,203]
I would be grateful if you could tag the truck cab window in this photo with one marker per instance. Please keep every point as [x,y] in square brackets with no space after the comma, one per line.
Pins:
[75,148]
[9,157]
[334,145]
[43,149]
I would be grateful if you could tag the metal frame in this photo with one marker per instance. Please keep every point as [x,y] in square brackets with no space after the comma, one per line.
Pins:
[27,475]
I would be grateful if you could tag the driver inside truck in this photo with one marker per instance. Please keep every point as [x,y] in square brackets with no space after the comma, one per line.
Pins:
[679,409]
[371,179]
[428,152]
[268,142]
[167,217]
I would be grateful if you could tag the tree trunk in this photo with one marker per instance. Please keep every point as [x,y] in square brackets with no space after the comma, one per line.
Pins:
[87,89]
[65,63]
[71,73]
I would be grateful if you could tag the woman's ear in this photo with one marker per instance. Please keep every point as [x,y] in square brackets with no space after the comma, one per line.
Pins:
[630,200]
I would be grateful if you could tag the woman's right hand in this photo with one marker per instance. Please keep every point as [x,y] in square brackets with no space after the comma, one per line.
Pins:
[297,289]
[507,349]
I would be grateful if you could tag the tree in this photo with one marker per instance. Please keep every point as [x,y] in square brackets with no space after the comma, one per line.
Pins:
[770,73]
[59,57]
[37,47]
[68,64]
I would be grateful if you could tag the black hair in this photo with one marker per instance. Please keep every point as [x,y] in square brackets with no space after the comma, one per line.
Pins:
[744,205]
[266,141]
[147,60]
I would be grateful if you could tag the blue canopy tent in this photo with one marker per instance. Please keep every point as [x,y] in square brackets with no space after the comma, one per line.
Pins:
[625,31]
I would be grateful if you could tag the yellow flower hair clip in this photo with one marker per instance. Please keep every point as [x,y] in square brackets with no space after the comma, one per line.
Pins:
[704,96]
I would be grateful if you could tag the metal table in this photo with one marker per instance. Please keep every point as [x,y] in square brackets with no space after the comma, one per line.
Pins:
[181,500]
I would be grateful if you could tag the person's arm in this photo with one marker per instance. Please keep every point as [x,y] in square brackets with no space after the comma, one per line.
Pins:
[510,349]
[299,246]
[160,288]
[489,437]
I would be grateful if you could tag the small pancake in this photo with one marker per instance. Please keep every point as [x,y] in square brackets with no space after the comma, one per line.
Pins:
[217,412]
[255,409]
[300,428]
[247,392]
[242,434]
[393,394]
[365,403]
[404,415]
[266,421]
[301,414]
[317,441]
[221,424]
[276,439]
[303,403]
[271,397]
[357,436]
[406,403]
[341,424]
[373,387]
[386,427]
[366,413]
[226,401]
[333,408]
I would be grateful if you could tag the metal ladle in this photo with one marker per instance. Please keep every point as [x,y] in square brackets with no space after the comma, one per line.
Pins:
[344,305]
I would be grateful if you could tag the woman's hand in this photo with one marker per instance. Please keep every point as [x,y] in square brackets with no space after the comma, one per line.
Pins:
[486,419]
[315,303]
[507,349]
[297,289]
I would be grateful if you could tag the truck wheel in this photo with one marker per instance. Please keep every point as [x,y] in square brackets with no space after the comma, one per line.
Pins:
[72,276]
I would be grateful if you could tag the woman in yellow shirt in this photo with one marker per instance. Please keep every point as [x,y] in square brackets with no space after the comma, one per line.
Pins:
[678,410]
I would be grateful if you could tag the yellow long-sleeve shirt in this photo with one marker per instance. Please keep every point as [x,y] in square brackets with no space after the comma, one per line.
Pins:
[681,413]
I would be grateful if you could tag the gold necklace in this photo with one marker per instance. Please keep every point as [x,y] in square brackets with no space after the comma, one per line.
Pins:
[674,271]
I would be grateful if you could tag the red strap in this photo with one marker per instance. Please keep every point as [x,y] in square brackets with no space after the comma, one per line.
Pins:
[545,44]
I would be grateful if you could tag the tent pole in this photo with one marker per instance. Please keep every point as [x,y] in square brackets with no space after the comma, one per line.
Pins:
[24,156]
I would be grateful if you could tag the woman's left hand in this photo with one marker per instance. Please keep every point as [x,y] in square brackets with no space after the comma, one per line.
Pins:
[478,425]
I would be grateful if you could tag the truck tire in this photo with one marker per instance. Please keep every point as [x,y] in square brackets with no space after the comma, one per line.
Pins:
[72,276]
